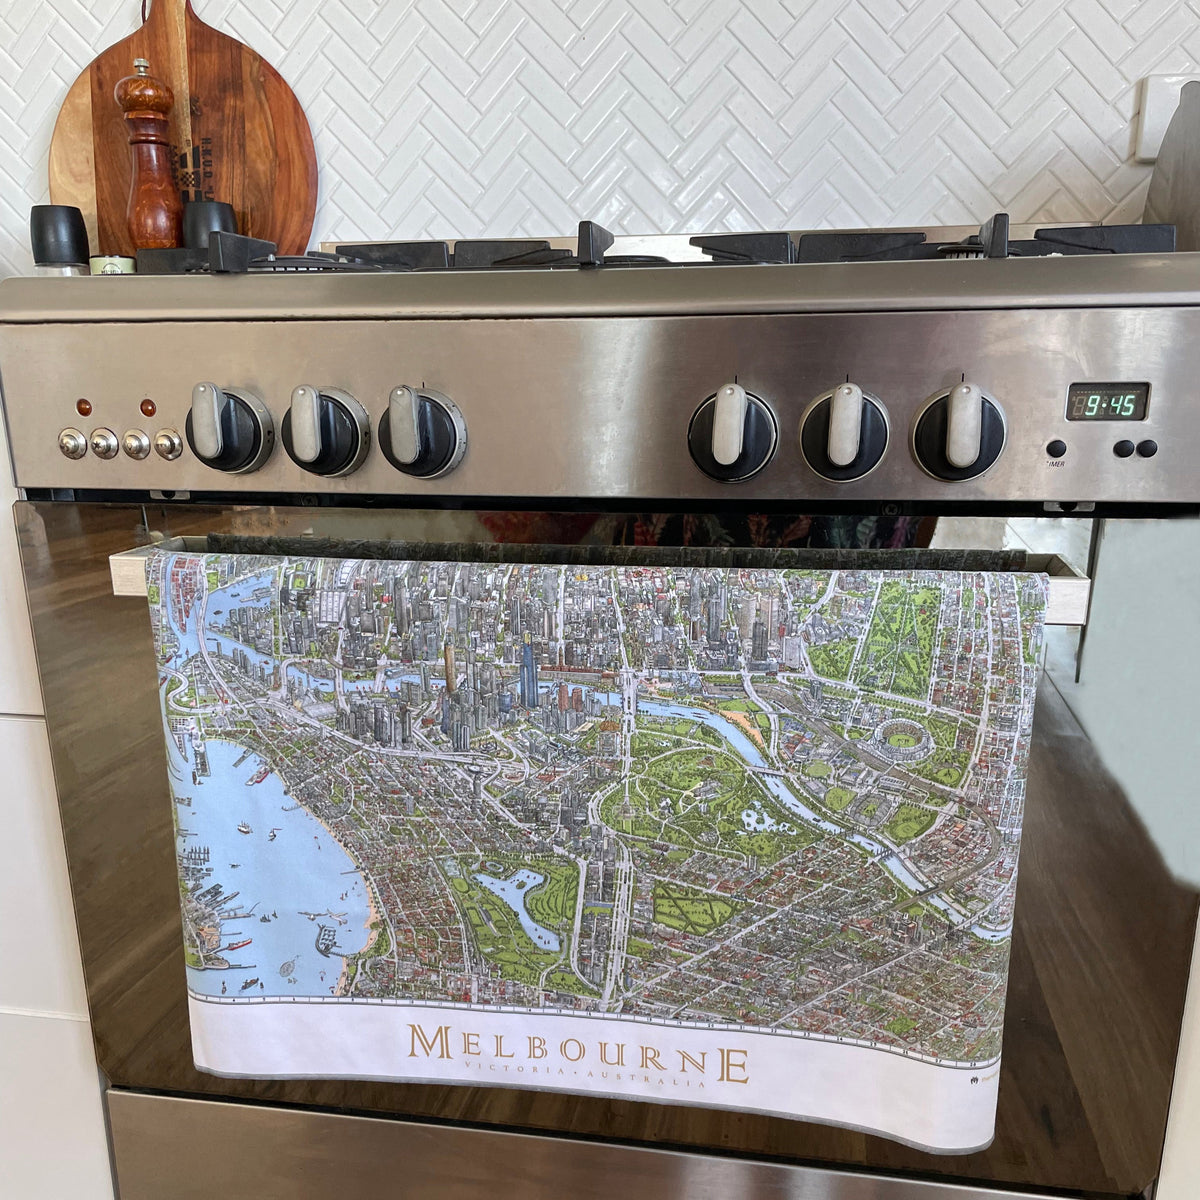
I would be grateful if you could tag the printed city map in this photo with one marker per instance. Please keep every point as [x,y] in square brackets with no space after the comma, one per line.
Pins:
[760,802]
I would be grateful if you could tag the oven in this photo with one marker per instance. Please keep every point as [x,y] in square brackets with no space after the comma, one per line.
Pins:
[473,412]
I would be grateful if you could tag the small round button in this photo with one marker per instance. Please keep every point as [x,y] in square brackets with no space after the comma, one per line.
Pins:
[1056,448]
[168,444]
[1148,448]
[104,443]
[72,443]
[1123,449]
[135,443]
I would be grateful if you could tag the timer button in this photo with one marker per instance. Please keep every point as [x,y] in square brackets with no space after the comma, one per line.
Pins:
[136,444]
[72,443]
[168,444]
[1123,449]
[1148,448]
[104,443]
[1056,448]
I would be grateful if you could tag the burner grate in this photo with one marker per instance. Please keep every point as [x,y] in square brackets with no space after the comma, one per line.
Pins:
[992,241]
[232,254]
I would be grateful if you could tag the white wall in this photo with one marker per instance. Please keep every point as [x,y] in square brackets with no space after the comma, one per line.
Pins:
[500,117]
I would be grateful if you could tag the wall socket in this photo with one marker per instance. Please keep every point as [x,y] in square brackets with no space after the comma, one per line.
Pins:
[1160,99]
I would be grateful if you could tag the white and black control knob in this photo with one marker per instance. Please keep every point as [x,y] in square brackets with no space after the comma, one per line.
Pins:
[229,429]
[733,434]
[844,433]
[959,433]
[422,433]
[326,431]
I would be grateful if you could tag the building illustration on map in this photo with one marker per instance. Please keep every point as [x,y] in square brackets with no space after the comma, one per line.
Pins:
[781,801]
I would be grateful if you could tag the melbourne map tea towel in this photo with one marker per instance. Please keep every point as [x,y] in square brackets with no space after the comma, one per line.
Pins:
[731,837]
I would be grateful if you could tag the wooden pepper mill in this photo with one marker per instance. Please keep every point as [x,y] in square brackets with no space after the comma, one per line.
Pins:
[155,211]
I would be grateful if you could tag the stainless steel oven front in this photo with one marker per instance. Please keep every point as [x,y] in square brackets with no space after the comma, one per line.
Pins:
[576,397]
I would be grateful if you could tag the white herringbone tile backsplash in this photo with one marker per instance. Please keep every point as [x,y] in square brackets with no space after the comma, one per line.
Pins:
[518,117]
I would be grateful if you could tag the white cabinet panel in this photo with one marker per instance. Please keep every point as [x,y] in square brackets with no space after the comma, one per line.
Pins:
[53,1144]
[38,942]
[19,690]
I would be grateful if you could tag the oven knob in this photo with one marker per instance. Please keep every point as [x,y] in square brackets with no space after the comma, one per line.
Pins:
[959,433]
[229,429]
[326,431]
[844,433]
[732,435]
[422,433]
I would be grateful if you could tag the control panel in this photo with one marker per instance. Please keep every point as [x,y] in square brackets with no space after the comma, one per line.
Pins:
[836,408]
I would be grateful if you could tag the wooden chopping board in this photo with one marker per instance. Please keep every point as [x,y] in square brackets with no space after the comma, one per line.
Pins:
[238,134]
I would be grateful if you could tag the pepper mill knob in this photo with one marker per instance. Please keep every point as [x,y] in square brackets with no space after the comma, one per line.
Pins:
[155,212]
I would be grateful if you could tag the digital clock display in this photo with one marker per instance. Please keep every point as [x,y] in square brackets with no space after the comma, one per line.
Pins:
[1107,401]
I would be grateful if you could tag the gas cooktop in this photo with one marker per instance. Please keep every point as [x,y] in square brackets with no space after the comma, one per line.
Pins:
[232,254]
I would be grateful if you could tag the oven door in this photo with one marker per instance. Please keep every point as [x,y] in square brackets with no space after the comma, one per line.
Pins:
[1099,964]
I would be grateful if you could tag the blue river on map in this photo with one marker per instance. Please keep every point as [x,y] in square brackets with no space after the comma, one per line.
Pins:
[307,679]
[513,891]
[301,870]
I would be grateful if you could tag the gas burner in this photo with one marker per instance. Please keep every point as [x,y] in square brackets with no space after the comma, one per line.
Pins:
[233,254]
[992,241]
[591,249]
[592,243]
[775,247]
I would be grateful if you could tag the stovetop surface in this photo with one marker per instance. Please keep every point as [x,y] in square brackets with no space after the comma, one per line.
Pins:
[595,248]
[945,284]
